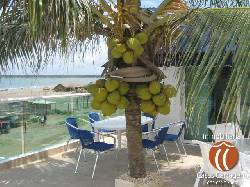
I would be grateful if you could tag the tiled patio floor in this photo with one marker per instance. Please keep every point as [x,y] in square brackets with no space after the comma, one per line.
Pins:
[58,170]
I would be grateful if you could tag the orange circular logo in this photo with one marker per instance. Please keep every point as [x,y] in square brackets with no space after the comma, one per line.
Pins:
[223,156]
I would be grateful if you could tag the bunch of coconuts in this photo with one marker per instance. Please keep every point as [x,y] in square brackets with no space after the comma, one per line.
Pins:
[155,97]
[109,95]
[129,50]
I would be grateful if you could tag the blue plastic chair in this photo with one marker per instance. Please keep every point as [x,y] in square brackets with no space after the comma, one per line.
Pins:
[150,116]
[179,129]
[93,117]
[87,142]
[71,121]
[153,144]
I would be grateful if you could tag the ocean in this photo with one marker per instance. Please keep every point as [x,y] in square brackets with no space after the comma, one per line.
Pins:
[28,81]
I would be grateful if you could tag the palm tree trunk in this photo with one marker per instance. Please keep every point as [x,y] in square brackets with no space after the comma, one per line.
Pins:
[134,136]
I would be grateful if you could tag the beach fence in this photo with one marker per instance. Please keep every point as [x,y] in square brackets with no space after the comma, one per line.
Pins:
[35,123]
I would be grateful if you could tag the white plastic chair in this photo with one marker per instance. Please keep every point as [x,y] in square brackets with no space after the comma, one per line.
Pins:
[209,170]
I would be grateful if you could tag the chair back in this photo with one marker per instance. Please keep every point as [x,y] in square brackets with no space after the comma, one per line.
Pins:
[150,116]
[144,128]
[86,137]
[160,137]
[94,116]
[177,128]
[73,131]
[72,121]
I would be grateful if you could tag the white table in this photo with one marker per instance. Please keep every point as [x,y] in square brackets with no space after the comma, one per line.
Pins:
[118,124]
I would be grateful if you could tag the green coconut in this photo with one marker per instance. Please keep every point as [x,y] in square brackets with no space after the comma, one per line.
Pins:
[147,106]
[133,43]
[116,53]
[108,109]
[101,94]
[114,98]
[128,57]
[124,88]
[111,42]
[121,48]
[144,93]
[139,87]
[123,103]
[142,37]
[96,104]
[92,88]
[170,91]
[138,51]
[111,85]
[154,113]
[159,99]
[154,87]
[165,109]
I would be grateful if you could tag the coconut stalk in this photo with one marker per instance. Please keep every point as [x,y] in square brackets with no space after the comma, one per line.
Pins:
[134,136]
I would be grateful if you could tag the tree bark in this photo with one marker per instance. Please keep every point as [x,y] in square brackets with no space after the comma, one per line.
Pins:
[134,136]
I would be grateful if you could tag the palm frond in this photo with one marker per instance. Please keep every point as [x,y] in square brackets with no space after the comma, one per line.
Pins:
[219,40]
[35,29]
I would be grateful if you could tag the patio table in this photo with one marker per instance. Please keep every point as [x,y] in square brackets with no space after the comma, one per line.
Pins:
[118,124]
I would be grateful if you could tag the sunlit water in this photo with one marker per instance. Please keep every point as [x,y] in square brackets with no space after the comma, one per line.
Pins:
[16,82]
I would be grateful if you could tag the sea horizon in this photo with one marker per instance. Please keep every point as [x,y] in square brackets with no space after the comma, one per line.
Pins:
[39,81]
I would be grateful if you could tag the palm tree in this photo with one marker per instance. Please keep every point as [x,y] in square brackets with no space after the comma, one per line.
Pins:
[200,41]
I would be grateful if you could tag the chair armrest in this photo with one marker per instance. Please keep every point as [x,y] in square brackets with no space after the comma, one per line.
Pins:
[150,132]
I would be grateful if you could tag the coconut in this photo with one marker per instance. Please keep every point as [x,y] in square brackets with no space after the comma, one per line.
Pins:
[138,51]
[96,104]
[111,42]
[147,106]
[124,88]
[111,85]
[159,99]
[154,87]
[128,57]
[114,98]
[101,94]
[165,109]
[143,93]
[142,37]
[107,108]
[169,91]
[116,53]
[121,48]
[92,88]
[133,43]
[123,103]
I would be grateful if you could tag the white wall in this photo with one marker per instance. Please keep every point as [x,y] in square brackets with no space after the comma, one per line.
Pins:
[178,103]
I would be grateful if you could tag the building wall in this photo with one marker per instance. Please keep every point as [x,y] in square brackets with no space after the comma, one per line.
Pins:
[178,103]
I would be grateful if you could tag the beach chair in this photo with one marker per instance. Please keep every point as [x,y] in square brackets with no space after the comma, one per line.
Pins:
[153,144]
[176,134]
[88,143]
[211,173]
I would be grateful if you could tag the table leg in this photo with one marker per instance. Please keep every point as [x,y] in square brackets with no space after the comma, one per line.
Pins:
[98,136]
[119,137]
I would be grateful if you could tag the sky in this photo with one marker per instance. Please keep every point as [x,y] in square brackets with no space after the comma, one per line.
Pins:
[90,65]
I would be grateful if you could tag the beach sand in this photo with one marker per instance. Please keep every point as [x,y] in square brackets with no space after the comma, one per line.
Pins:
[28,92]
